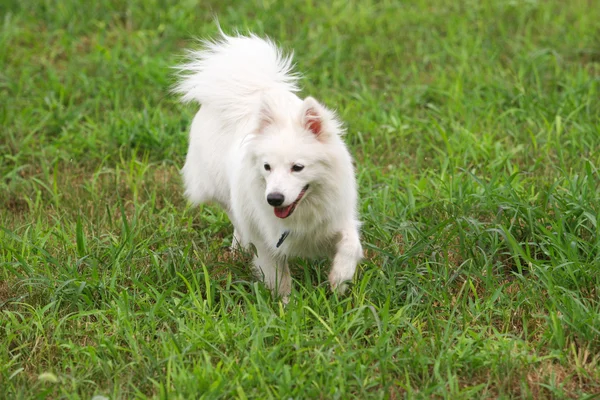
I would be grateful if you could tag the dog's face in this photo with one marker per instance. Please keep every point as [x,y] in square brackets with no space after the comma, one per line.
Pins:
[291,154]
[287,178]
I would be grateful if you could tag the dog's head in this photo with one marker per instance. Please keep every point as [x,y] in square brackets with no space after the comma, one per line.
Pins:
[293,152]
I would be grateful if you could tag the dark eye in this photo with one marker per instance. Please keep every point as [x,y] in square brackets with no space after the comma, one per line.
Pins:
[267,167]
[297,167]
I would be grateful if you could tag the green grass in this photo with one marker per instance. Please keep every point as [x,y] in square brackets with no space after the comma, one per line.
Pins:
[476,131]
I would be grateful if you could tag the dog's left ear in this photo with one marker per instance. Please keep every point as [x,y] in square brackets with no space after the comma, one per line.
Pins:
[317,119]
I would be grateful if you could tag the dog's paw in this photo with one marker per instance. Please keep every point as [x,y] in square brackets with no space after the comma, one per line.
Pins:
[340,282]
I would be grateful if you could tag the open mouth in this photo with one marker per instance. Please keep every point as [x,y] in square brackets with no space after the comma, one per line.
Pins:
[284,212]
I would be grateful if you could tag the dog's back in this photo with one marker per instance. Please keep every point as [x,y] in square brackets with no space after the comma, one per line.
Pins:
[232,73]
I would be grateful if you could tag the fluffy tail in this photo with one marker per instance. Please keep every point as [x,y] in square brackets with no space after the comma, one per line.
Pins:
[231,73]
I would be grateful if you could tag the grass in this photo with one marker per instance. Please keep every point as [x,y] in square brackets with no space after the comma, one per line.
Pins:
[476,131]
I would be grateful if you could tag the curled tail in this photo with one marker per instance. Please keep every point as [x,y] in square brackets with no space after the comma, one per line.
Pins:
[231,73]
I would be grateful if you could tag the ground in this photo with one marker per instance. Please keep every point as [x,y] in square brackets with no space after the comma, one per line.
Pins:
[476,132]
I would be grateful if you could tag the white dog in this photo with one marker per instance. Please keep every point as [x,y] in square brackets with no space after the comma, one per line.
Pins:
[274,162]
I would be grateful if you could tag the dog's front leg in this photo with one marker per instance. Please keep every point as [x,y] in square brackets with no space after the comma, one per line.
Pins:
[236,241]
[348,253]
[274,273]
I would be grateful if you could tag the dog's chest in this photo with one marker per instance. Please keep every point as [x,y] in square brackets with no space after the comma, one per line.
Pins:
[307,244]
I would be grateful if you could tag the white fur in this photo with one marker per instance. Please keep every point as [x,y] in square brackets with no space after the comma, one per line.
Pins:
[250,117]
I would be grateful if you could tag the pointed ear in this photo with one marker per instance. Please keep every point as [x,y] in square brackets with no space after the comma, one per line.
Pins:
[313,115]
[265,117]
[318,120]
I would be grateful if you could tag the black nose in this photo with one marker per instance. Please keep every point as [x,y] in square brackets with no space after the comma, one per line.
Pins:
[275,199]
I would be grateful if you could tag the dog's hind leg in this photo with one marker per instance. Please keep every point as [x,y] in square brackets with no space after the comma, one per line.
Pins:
[348,253]
[274,273]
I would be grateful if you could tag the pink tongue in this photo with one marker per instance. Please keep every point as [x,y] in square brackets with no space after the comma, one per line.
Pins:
[283,212]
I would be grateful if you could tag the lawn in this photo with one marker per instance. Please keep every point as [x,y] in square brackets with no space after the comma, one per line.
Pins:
[476,132]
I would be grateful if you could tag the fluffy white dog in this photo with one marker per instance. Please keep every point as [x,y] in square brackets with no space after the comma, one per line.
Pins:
[276,163]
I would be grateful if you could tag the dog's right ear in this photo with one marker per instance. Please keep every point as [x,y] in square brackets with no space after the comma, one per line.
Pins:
[265,117]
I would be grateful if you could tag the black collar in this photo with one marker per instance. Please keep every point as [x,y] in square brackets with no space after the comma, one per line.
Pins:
[282,238]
